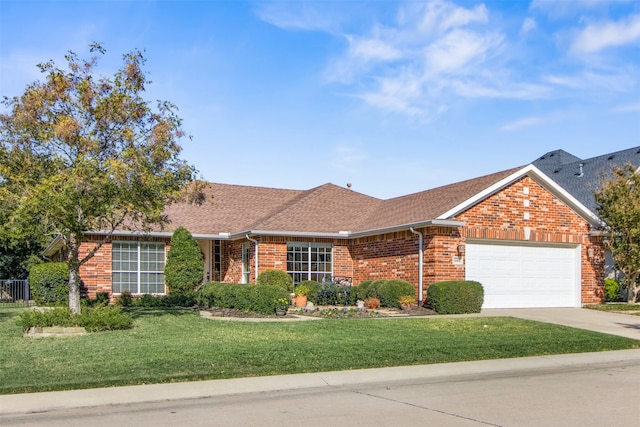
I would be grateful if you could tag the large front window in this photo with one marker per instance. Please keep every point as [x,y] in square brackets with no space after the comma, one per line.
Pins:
[138,267]
[309,261]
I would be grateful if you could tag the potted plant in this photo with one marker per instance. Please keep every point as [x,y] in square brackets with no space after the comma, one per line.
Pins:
[282,305]
[301,292]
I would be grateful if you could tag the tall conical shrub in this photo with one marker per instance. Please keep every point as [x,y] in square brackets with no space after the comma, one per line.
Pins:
[185,267]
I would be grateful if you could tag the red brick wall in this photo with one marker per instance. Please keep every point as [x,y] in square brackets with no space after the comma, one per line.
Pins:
[503,216]
[395,256]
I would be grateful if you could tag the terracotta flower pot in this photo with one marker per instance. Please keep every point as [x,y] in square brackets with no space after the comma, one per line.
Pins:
[301,301]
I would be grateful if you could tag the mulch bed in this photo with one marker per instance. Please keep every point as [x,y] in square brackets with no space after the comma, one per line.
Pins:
[327,312]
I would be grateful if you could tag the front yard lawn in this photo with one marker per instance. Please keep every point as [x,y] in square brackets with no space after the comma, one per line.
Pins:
[617,307]
[177,345]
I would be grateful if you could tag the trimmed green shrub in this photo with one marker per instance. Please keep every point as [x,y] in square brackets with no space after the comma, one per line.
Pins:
[264,299]
[185,299]
[125,299]
[455,297]
[276,278]
[361,289]
[185,268]
[101,300]
[260,299]
[210,294]
[103,318]
[390,291]
[612,291]
[49,283]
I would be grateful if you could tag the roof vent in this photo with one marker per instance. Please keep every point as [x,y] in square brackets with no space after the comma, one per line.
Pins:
[581,172]
[557,170]
[610,157]
[638,152]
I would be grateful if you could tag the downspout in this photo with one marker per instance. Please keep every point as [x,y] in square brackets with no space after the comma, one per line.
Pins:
[255,256]
[420,263]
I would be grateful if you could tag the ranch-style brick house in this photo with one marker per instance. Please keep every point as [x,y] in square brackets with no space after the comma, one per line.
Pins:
[525,233]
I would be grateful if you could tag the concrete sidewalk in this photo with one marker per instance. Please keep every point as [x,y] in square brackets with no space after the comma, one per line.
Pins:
[611,323]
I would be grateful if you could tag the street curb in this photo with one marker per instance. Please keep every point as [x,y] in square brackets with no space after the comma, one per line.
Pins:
[50,401]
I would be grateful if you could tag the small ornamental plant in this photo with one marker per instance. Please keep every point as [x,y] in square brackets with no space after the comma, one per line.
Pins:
[282,304]
[372,303]
[302,290]
[407,301]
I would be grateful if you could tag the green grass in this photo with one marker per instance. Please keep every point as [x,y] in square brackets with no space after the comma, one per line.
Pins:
[178,345]
[616,307]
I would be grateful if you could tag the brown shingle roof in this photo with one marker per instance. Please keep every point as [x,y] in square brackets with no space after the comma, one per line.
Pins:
[324,209]
[429,204]
[228,209]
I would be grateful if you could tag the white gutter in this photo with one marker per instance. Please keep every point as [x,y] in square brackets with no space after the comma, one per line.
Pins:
[54,246]
[255,256]
[219,236]
[351,234]
[420,264]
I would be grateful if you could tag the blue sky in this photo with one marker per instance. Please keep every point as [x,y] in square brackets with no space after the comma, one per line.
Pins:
[393,97]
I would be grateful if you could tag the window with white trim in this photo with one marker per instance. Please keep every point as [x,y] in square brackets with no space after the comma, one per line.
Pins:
[217,261]
[138,267]
[246,267]
[309,261]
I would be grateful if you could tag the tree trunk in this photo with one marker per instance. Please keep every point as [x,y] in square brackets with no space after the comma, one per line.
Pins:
[74,273]
[632,293]
[631,282]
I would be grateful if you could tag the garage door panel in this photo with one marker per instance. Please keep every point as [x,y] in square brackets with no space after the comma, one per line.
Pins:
[525,275]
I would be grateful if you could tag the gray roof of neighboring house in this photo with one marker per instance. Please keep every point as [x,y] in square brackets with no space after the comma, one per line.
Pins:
[583,177]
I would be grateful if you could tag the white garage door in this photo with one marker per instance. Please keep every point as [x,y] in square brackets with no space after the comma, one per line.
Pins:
[525,275]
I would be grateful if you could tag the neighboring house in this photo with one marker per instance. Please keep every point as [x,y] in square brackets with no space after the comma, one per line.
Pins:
[583,177]
[529,240]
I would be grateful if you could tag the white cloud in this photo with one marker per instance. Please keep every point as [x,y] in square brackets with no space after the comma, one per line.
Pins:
[596,37]
[373,49]
[440,16]
[528,25]
[627,108]
[522,123]
[618,80]
[297,16]
[454,51]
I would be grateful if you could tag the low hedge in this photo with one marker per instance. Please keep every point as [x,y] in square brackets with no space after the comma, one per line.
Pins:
[276,278]
[187,298]
[455,297]
[49,283]
[260,299]
[102,318]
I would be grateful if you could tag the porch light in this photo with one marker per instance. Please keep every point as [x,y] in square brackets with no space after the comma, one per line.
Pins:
[461,249]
